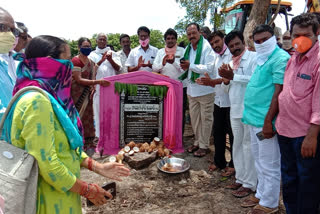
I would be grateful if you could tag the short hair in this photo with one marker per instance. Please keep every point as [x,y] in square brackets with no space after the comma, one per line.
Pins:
[305,20]
[214,34]
[206,30]
[170,31]
[83,39]
[22,27]
[122,36]
[193,23]
[261,29]
[44,46]
[317,14]
[233,34]
[143,28]
[101,34]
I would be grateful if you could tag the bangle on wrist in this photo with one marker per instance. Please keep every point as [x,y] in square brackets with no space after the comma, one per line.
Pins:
[94,166]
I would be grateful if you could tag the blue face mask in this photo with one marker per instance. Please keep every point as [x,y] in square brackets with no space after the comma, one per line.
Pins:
[85,51]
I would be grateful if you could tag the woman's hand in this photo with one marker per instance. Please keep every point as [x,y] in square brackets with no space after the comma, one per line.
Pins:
[97,195]
[103,82]
[112,170]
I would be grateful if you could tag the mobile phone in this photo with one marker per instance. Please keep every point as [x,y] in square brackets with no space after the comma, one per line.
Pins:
[110,187]
[182,59]
[260,136]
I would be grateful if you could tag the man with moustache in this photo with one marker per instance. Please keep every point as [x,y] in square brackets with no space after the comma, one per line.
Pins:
[124,53]
[198,59]
[221,113]
[237,75]
[8,34]
[141,58]
[260,111]
[298,121]
[167,62]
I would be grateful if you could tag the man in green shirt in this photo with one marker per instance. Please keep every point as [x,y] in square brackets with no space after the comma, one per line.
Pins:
[260,110]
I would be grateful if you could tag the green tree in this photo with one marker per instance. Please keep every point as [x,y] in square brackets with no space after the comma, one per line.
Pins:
[198,11]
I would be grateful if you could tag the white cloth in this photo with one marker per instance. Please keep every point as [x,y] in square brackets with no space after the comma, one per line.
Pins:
[172,70]
[11,65]
[265,49]
[266,154]
[104,70]
[238,85]
[148,55]
[97,54]
[123,59]
[222,97]
[242,157]
[205,66]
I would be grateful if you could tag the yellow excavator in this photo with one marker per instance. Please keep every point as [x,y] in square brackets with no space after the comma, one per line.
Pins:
[312,6]
[236,15]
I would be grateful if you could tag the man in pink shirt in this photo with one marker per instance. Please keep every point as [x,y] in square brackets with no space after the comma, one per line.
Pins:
[298,122]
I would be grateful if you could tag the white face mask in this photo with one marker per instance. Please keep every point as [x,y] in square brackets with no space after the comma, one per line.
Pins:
[265,49]
[7,41]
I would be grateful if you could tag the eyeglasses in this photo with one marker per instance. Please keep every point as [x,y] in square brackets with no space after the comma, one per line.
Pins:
[6,28]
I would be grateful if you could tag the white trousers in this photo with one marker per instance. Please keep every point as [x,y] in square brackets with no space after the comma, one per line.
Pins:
[267,161]
[242,157]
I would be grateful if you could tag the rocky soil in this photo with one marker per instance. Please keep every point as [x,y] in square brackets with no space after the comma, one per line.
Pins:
[151,191]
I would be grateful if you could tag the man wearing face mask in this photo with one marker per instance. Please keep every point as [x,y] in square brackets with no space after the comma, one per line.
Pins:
[8,34]
[260,110]
[298,122]
[221,113]
[286,43]
[141,58]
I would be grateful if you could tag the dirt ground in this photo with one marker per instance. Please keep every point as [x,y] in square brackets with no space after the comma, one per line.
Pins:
[152,191]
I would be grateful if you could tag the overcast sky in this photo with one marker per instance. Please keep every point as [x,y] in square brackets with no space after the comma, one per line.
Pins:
[72,19]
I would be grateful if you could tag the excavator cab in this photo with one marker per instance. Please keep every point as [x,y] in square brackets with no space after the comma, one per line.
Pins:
[236,16]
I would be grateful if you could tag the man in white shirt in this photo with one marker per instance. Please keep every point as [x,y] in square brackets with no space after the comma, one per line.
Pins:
[237,76]
[221,113]
[124,53]
[141,58]
[109,65]
[198,59]
[167,62]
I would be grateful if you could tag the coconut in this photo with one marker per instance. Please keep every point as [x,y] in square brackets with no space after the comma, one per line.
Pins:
[131,152]
[136,149]
[156,139]
[112,159]
[127,149]
[131,144]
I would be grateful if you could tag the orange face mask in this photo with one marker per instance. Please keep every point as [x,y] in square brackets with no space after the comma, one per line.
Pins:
[302,44]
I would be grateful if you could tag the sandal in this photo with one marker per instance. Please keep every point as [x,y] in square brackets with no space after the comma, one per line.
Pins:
[258,209]
[242,192]
[250,202]
[228,172]
[192,148]
[212,168]
[201,152]
[233,186]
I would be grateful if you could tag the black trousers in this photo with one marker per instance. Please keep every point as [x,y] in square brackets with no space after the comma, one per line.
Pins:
[222,126]
[185,103]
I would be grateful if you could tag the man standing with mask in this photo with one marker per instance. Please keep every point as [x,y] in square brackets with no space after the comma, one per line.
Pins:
[124,53]
[141,58]
[8,34]
[109,64]
[198,60]
[260,110]
[221,113]
[298,122]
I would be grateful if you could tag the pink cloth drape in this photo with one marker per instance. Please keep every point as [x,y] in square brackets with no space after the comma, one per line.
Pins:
[169,137]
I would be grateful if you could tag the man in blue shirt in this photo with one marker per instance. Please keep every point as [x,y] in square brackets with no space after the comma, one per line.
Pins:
[8,34]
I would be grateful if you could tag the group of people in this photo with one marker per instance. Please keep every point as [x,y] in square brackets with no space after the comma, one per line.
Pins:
[266,102]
